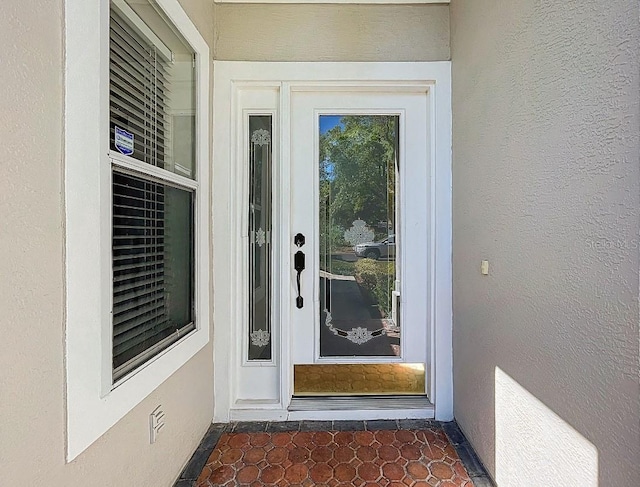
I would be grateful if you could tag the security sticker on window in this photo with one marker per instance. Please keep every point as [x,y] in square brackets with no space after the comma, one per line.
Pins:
[124,141]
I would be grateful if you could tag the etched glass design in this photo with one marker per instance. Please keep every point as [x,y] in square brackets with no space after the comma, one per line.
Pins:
[260,151]
[358,165]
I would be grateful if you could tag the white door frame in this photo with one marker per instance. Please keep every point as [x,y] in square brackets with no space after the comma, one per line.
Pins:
[231,402]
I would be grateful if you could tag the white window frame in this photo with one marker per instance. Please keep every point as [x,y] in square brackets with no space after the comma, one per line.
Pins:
[93,402]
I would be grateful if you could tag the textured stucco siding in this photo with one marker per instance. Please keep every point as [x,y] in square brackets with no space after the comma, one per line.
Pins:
[259,32]
[32,320]
[546,187]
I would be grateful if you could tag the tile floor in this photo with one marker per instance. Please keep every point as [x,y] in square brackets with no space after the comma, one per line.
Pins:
[380,453]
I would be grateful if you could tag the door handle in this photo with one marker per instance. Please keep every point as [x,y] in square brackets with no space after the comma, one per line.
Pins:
[298,265]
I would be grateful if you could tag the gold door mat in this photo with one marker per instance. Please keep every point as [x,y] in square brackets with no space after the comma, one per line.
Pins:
[358,379]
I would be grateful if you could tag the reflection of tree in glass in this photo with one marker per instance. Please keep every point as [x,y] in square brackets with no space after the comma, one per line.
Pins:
[357,176]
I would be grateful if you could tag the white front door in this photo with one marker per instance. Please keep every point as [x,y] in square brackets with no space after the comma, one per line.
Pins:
[351,176]
[360,182]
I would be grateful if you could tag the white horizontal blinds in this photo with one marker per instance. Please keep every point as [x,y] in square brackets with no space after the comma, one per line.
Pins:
[152,268]
[153,221]
[138,92]
[138,266]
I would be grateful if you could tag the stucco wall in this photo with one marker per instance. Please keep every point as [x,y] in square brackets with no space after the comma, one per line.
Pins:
[546,187]
[32,403]
[259,32]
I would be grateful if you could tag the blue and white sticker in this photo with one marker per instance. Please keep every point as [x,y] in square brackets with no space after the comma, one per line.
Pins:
[124,141]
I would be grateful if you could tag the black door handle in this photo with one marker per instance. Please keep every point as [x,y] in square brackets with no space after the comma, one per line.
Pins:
[298,265]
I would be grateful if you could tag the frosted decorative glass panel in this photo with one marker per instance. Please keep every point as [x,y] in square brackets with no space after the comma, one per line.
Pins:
[358,192]
[260,152]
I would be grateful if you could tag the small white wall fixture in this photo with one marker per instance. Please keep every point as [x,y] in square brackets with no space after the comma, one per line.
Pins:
[262,390]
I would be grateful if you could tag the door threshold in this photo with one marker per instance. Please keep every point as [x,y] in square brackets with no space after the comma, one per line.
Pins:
[361,403]
[359,408]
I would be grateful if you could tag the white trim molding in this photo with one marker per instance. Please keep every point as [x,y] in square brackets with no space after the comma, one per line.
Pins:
[93,402]
[238,85]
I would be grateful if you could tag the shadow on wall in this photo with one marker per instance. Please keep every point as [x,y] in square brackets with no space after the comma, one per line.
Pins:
[533,445]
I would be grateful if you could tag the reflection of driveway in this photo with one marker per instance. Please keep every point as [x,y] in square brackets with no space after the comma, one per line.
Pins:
[349,310]
[347,303]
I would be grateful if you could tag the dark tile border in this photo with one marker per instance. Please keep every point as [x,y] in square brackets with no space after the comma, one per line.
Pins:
[199,458]
[381,424]
[249,427]
[479,475]
[465,451]
[418,424]
[277,427]
[316,425]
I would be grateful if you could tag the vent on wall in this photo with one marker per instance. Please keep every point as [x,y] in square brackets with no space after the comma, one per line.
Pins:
[156,423]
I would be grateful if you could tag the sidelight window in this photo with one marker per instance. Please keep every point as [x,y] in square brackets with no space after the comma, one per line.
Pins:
[260,152]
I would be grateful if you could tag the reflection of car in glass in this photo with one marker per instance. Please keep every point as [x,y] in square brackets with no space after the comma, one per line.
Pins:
[374,250]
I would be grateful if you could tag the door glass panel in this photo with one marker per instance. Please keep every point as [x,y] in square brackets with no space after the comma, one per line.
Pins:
[358,238]
[260,237]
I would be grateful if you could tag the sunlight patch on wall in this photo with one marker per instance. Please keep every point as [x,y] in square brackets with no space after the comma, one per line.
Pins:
[534,446]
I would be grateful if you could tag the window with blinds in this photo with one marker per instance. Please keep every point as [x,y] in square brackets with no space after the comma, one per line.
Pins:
[152,126]
[138,91]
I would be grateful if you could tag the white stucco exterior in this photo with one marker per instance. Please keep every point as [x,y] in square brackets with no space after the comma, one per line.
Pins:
[546,186]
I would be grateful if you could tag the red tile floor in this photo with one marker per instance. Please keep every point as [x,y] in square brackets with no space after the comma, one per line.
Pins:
[398,458]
